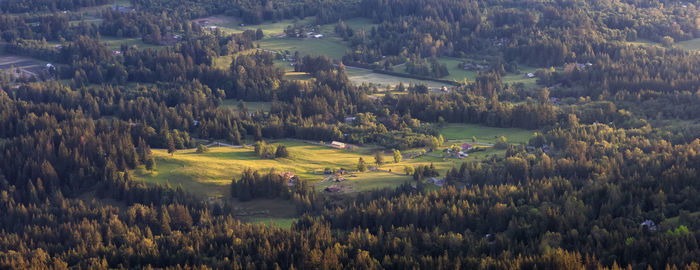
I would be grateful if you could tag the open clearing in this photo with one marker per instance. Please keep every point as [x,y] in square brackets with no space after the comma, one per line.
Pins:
[115,43]
[253,106]
[484,134]
[209,174]
[26,66]
[333,48]
[693,44]
[360,76]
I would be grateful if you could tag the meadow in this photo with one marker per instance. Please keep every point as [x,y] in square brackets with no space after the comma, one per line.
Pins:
[360,76]
[209,174]
[332,47]
[484,134]
[253,106]
[693,44]
[115,43]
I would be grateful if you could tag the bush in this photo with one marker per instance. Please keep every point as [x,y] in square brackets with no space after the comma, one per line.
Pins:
[202,149]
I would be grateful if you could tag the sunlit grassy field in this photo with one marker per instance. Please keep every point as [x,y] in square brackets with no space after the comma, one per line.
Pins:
[358,76]
[209,174]
[328,46]
[253,106]
[116,43]
[485,134]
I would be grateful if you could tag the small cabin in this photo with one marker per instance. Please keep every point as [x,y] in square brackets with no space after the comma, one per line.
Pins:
[338,145]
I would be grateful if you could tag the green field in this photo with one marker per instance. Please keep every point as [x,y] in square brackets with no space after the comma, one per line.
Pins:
[116,43]
[484,134]
[253,106]
[644,43]
[456,74]
[693,44]
[299,76]
[273,221]
[360,76]
[359,23]
[209,174]
[328,46]
[270,29]
[513,78]
[278,213]
[675,221]
[460,75]
[442,164]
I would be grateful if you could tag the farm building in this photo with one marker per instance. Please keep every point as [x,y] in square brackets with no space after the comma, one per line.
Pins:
[338,145]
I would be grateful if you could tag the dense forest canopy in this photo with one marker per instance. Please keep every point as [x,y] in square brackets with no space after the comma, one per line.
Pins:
[610,178]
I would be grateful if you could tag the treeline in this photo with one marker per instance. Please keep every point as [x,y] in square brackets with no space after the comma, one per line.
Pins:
[254,12]
[22,6]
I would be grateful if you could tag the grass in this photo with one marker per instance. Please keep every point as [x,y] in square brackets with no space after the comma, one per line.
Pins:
[273,212]
[115,43]
[456,73]
[693,44]
[644,43]
[484,134]
[513,78]
[253,106]
[360,76]
[328,46]
[443,164]
[299,76]
[359,23]
[460,75]
[270,29]
[209,174]
[273,221]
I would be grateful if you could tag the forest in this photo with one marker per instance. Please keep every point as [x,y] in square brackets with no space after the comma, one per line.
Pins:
[606,177]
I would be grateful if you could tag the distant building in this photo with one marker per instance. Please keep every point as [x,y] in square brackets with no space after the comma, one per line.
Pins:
[338,145]
[466,146]
[349,119]
[649,225]
[530,75]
